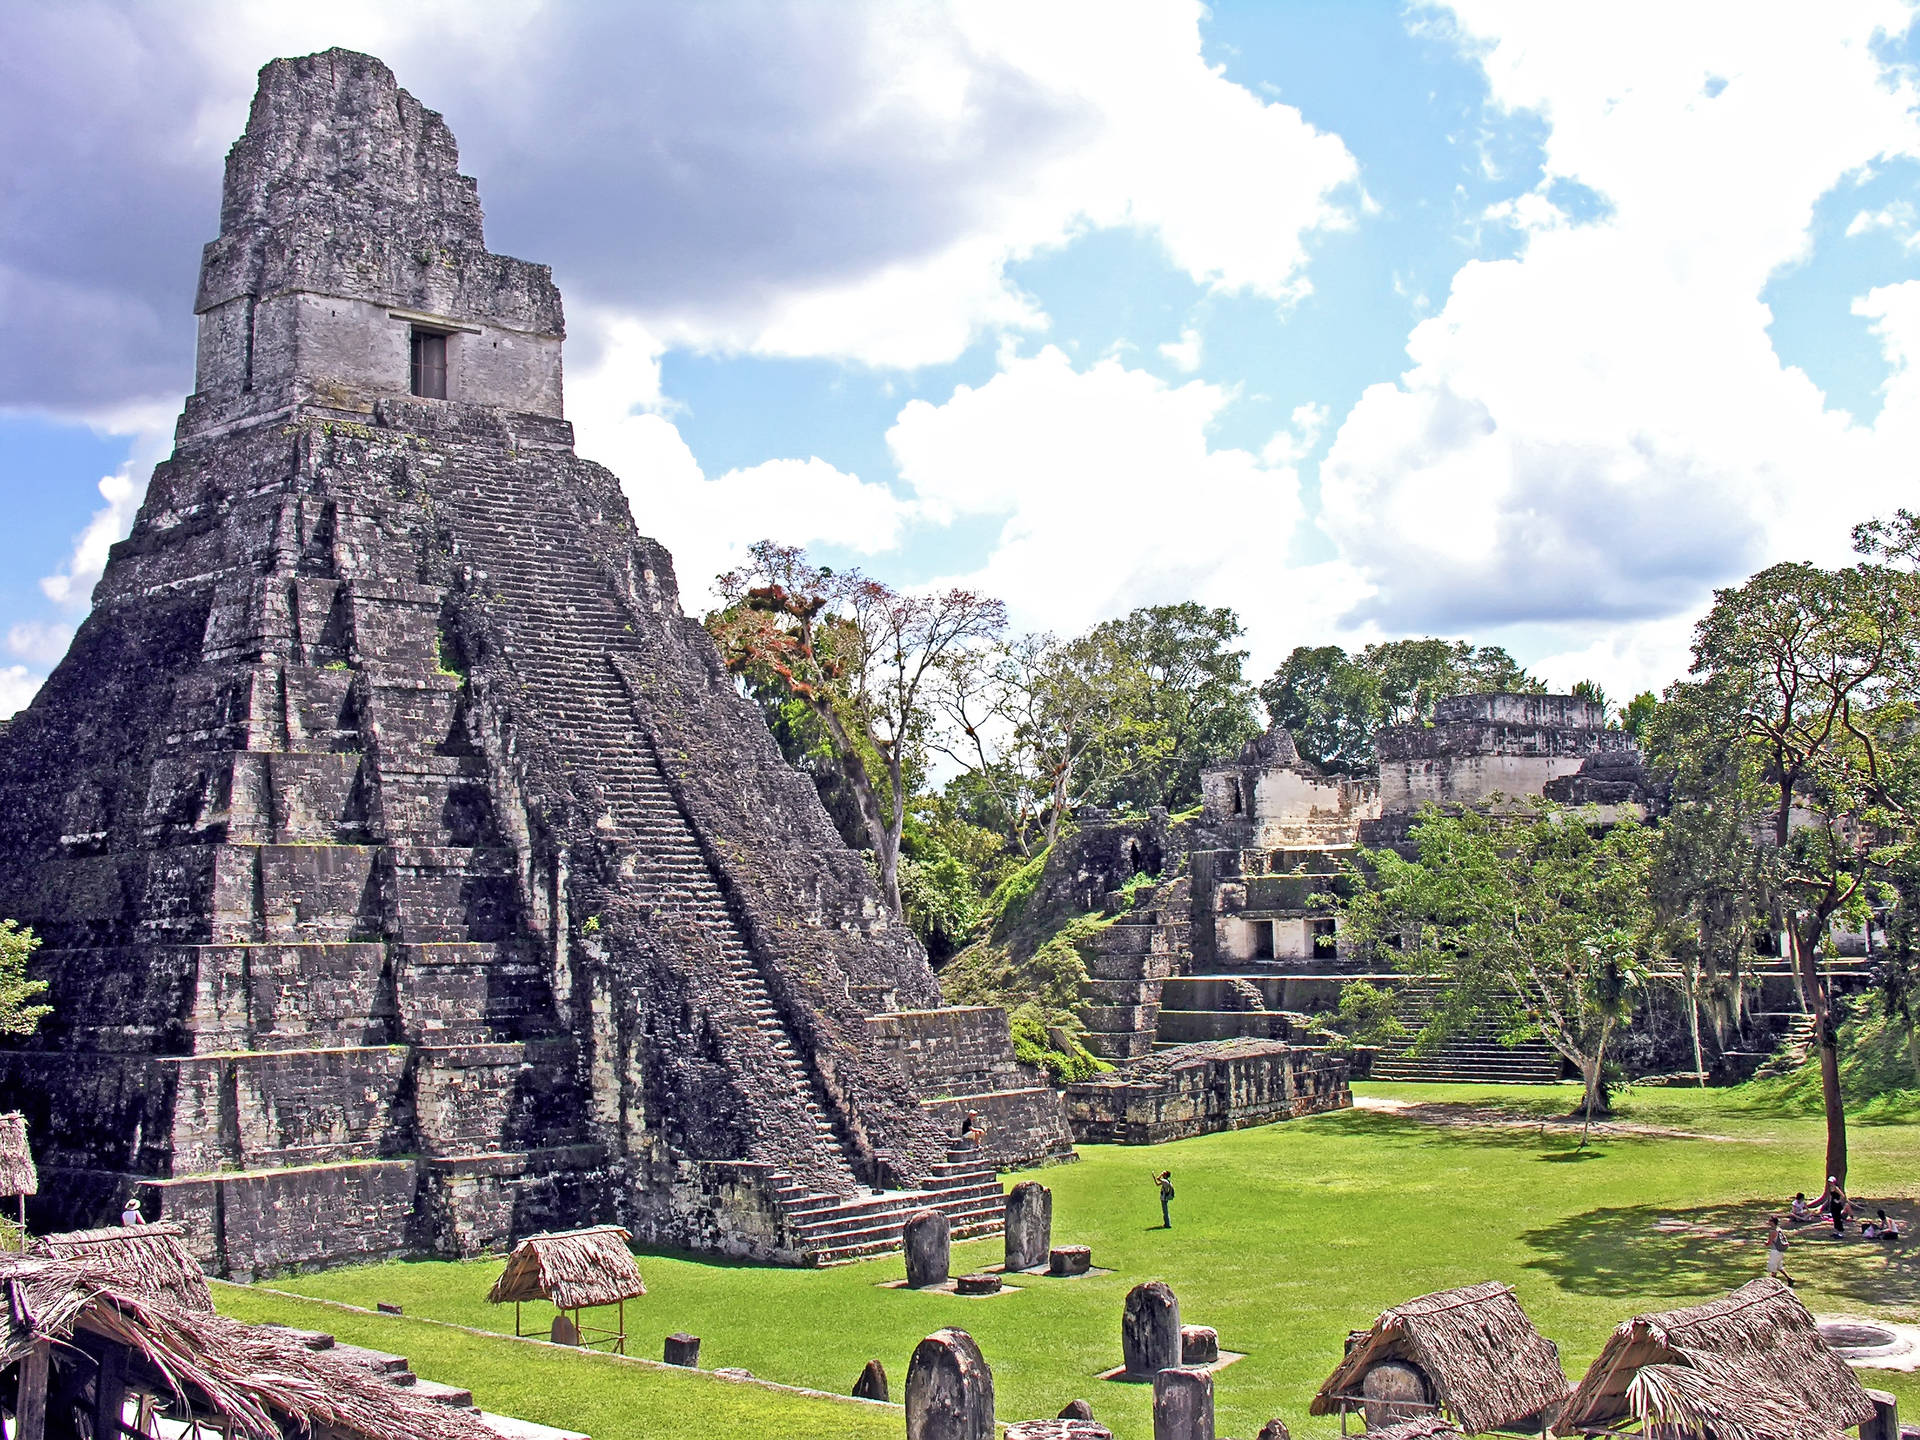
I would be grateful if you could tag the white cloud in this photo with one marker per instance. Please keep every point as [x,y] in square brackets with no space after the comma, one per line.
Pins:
[1897,216]
[1109,494]
[1600,427]
[17,688]
[150,429]
[73,584]
[39,641]
[1184,353]
[1297,442]
[849,181]
[708,523]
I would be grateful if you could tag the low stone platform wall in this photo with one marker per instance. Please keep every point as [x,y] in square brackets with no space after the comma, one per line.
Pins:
[1200,1089]
[962,1059]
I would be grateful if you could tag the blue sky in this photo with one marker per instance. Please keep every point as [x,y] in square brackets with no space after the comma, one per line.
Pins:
[1520,323]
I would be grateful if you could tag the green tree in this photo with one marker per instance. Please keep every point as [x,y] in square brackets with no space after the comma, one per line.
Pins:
[1542,923]
[1330,704]
[1636,716]
[1813,672]
[19,1015]
[1415,673]
[1197,705]
[1045,725]
[862,657]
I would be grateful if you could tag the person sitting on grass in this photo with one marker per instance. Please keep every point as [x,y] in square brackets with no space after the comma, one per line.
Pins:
[1777,1250]
[1802,1212]
[1881,1228]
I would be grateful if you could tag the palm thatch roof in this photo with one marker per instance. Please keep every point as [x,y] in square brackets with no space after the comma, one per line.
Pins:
[1749,1366]
[572,1269]
[264,1381]
[150,1260]
[1421,1427]
[1489,1368]
[17,1174]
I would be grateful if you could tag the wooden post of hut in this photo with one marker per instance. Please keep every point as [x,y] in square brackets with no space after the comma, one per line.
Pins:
[574,1270]
[18,1177]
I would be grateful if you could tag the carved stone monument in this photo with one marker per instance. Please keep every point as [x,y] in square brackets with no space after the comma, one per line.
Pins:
[1029,1225]
[872,1384]
[949,1389]
[1183,1405]
[1150,1329]
[927,1240]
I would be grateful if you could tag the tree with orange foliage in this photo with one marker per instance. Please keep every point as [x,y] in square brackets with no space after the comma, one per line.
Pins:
[862,657]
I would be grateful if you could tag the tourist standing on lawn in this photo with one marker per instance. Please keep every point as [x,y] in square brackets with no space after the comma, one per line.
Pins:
[1777,1250]
[1836,1202]
[1165,1181]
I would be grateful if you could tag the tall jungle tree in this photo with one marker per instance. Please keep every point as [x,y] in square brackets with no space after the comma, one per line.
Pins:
[862,657]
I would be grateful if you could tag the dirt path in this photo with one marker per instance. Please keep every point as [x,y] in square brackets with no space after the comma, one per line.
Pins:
[1459,1115]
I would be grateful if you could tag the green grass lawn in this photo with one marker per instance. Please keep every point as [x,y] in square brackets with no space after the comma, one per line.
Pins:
[1284,1238]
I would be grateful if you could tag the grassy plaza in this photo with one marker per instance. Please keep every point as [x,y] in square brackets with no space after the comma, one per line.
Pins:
[1284,1239]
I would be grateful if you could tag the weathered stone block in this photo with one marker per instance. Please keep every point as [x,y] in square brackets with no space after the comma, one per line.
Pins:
[1069,1260]
[982,1284]
[682,1349]
[1199,1345]
[1150,1329]
[1029,1225]
[949,1389]
[872,1384]
[1183,1405]
[1057,1430]
[927,1239]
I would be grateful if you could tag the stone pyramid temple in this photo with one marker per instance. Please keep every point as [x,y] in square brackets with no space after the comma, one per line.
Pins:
[410,875]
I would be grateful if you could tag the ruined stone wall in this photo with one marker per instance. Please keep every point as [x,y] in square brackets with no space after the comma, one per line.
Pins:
[1202,1089]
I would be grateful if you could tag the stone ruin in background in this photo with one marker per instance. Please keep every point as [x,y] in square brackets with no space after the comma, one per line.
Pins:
[1205,987]
[410,875]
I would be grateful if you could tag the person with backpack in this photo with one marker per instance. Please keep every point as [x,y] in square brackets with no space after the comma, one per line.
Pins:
[1165,1181]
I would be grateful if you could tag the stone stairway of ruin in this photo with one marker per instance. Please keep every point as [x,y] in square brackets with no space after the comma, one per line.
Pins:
[833,1231]
[1126,965]
[1790,1051]
[573,608]
[1474,1057]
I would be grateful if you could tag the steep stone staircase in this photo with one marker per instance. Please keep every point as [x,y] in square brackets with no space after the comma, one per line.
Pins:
[1791,1050]
[830,1216]
[1126,965]
[832,1231]
[1477,1056]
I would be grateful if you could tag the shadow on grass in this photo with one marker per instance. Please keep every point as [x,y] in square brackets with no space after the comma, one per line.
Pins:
[1447,1123]
[1645,1249]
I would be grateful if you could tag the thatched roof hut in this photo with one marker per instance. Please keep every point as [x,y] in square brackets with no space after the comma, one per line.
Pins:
[17,1173]
[1750,1366]
[572,1269]
[1421,1427]
[265,1383]
[149,1260]
[1480,1360]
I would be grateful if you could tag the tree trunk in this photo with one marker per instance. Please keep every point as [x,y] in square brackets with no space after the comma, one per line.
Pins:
[1806,965]
[1693,1022]
[890,839]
